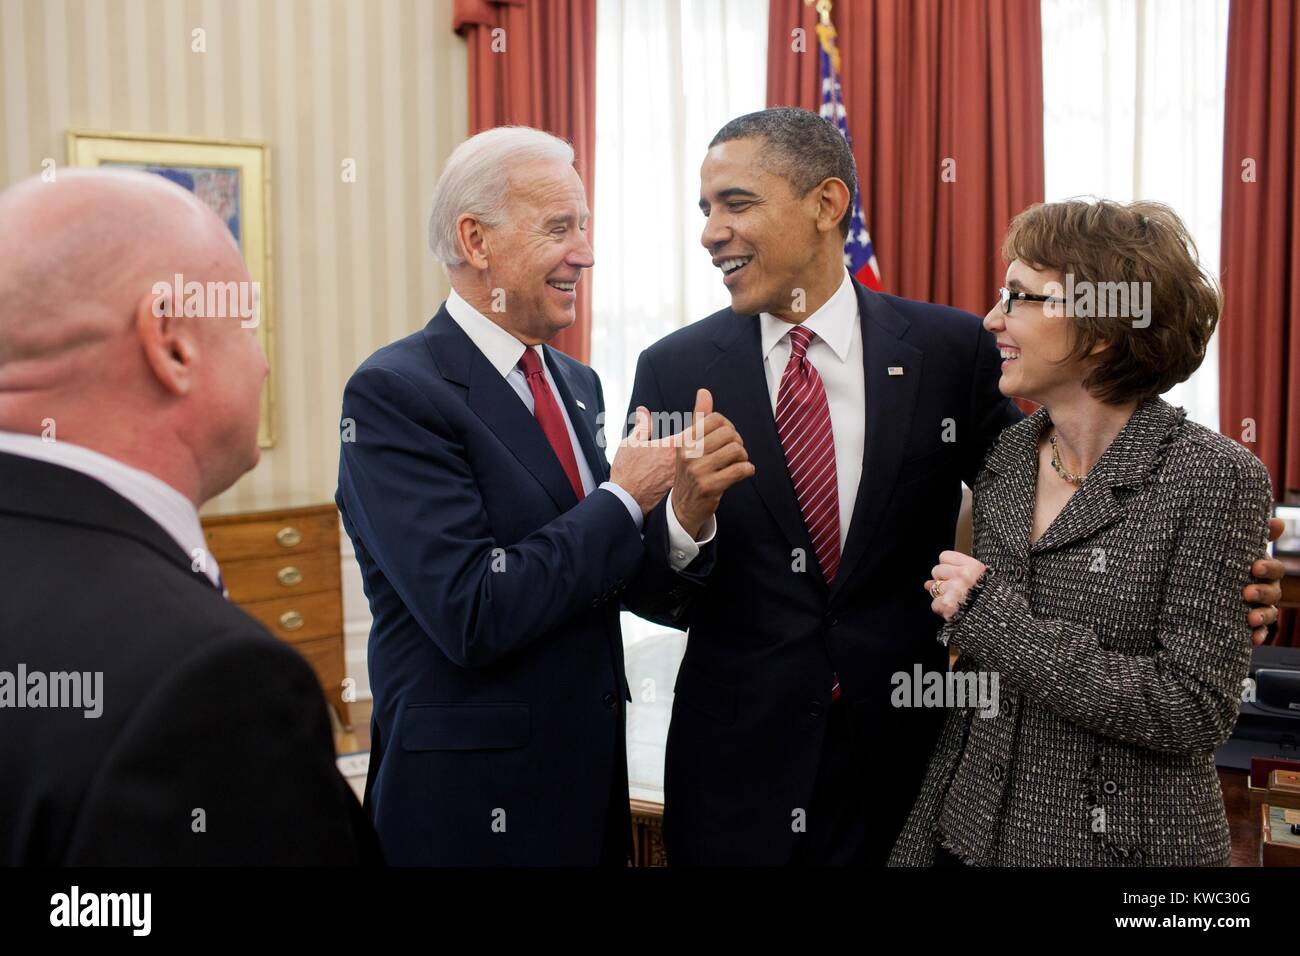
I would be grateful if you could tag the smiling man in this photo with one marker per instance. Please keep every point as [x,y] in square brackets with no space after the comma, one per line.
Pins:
[494,538]
[862,414]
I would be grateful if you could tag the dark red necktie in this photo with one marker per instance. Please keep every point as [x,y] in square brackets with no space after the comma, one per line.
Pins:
[803,423]
[547,412]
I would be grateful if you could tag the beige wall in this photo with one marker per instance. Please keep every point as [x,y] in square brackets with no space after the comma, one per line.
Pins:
[379,81]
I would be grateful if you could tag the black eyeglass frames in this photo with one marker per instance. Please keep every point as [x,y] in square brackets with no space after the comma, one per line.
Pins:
[1006,297]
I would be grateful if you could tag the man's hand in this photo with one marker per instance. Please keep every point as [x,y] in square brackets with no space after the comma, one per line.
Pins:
[642,467]
[711,457]
[1266,590]
[952,578]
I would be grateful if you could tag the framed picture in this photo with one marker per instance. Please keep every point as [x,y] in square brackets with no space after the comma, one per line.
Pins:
[1289,543]
[233,178]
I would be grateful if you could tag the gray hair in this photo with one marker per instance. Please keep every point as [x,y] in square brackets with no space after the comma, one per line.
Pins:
[476,180]
[800,147]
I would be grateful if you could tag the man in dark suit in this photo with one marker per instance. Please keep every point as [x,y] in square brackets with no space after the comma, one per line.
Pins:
[143,718]
[861,415]
[495,539]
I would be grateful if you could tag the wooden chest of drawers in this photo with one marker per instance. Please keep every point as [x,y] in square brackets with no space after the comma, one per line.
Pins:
[282,567]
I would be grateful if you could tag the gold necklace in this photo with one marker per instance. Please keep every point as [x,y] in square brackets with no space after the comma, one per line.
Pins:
[1073,479]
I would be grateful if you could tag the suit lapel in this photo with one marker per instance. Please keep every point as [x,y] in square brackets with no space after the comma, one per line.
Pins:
[1126,463]
[1015,460]
[890,403]
[739,386]
[1091,508]
[499,407]
[1013,519]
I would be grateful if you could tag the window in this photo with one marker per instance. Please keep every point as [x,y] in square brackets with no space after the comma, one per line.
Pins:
[669,74]
[1133,94]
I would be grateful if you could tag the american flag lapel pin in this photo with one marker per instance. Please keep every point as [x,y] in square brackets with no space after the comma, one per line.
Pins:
[895,370]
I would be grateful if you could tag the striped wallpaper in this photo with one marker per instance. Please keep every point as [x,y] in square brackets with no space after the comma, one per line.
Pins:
[382,82]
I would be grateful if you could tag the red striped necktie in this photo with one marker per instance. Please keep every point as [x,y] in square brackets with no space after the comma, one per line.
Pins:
[547,412]
[803,423]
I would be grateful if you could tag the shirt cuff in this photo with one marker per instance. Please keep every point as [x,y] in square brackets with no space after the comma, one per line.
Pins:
[682,548]
[629,502]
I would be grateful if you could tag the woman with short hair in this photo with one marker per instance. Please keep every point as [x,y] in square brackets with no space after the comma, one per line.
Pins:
[1112,539]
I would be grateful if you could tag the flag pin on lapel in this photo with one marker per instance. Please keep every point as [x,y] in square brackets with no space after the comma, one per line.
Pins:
[895,370]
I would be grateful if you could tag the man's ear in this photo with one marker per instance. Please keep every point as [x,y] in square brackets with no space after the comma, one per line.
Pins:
[833,201]
[472,239]
[167,342]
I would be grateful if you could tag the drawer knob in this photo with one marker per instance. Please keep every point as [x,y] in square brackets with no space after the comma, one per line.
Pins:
[291,620]
[289,537]
[289,576]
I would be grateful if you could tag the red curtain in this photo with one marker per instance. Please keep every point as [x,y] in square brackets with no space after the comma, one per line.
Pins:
[1259,334]
[945,107]
[533,63]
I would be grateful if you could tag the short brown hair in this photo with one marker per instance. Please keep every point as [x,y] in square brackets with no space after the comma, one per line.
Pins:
[1104,242]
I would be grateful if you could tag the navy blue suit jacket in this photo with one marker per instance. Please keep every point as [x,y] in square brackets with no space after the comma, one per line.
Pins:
[750,705]
[495,656]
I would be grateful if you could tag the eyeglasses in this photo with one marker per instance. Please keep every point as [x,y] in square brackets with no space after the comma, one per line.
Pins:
[1006,297]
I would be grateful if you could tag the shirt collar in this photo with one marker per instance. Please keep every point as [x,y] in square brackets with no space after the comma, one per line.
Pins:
[833,323]
[168,508]
[498,346]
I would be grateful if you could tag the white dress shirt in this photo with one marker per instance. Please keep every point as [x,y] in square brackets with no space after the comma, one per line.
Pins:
[168,508]
[836,353]
[503,351]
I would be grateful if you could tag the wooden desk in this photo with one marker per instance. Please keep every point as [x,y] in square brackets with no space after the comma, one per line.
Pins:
[1242,805]
[648,833]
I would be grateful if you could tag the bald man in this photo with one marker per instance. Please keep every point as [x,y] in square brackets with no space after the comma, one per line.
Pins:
[143,718]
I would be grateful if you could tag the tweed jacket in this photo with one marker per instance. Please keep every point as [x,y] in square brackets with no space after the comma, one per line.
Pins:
[1121,645]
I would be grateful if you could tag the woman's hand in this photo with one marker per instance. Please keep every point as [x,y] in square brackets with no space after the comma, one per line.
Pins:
[950,582]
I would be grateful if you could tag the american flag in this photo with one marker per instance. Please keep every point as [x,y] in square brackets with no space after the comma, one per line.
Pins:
[859,253]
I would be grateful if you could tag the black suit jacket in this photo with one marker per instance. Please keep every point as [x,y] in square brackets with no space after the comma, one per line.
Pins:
[496,660]
[765,640]
[213,746]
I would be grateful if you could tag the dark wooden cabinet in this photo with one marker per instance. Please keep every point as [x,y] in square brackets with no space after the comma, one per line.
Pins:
[282,567]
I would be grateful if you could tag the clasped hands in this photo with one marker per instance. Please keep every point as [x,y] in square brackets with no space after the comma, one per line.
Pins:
[698,463]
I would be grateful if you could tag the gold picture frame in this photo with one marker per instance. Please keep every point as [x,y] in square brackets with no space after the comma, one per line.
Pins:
[247,193]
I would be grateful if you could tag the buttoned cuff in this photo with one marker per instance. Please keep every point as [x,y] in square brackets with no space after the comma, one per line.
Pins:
[682,548]
[629,502]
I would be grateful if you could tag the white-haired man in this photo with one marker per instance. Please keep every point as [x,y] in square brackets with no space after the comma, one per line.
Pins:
[495,539]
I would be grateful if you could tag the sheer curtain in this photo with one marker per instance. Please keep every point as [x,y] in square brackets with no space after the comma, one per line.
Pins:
[1133,94]
[669,73]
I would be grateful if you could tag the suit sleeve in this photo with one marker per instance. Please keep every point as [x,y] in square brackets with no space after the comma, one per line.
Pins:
[230,761]
[660,593]
[411,494]
[1184,697]
[991,411]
